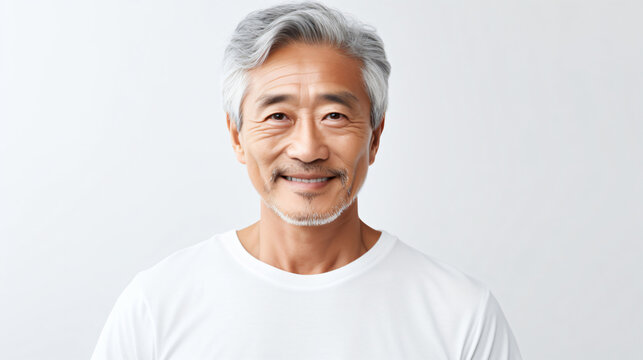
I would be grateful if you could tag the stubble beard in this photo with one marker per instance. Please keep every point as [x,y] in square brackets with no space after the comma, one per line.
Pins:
[310,217]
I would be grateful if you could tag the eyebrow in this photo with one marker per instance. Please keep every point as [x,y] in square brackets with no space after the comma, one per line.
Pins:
[345,98]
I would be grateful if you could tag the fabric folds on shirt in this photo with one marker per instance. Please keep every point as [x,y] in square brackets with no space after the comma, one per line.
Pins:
[214,300]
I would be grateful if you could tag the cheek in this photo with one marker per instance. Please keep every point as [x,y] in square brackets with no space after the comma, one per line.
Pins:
[361,167]
[254,170]
[260,158]
[354,154]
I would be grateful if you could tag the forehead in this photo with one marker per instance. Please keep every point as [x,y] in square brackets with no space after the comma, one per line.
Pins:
[300,68]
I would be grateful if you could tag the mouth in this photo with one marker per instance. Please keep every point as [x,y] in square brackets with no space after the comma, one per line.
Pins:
[307,180]
[307,183]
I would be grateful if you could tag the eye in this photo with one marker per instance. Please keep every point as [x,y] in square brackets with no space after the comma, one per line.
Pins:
[277,116]
[336,116]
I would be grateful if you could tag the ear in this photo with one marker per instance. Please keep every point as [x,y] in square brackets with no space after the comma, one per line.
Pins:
[375,141]
[234,138]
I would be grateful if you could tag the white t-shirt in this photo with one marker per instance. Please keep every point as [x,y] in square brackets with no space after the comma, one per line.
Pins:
[214,300]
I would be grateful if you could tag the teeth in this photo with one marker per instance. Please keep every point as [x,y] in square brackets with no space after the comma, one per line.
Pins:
[290,178]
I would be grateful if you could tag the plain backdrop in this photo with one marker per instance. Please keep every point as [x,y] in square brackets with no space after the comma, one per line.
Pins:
[512,150]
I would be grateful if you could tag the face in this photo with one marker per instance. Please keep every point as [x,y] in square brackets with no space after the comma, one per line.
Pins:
[306,136]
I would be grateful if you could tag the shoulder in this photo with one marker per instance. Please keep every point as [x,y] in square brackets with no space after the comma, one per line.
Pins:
[185,264]
[441,281]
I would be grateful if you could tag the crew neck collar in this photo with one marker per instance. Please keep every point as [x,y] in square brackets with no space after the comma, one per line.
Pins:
[231,242]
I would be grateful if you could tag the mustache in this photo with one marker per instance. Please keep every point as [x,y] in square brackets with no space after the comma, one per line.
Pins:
[308,167]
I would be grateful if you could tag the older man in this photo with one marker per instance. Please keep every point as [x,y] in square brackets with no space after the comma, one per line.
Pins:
[305,92]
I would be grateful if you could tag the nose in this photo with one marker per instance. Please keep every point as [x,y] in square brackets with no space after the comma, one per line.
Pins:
[307,142]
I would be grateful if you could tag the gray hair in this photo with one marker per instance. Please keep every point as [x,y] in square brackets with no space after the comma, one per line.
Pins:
[265,30]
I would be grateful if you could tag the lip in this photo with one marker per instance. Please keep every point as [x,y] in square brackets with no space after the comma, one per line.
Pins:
[309,176]
[302,186]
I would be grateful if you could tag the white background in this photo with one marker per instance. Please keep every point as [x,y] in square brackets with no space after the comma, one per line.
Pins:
[512,150]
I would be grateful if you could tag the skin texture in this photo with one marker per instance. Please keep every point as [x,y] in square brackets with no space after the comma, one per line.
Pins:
[307,135]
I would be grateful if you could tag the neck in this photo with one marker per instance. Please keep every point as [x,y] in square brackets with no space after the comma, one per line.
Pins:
[308,249]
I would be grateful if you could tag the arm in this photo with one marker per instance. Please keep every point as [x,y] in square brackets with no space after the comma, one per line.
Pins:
[490,338]
[129,332]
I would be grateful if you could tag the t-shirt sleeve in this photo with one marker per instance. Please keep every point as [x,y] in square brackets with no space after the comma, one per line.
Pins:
[491,337]
[129,331]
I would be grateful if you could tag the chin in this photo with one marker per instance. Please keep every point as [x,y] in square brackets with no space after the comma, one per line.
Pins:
[310,217]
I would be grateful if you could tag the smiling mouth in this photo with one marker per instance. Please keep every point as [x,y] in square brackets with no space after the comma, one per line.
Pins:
[314,180]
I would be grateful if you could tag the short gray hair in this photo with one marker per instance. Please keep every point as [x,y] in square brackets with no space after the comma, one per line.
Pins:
[262,31]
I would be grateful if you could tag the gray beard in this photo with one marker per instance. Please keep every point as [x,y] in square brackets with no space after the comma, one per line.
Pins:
[314,219]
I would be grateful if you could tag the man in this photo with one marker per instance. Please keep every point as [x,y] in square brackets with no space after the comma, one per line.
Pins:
[305,91]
